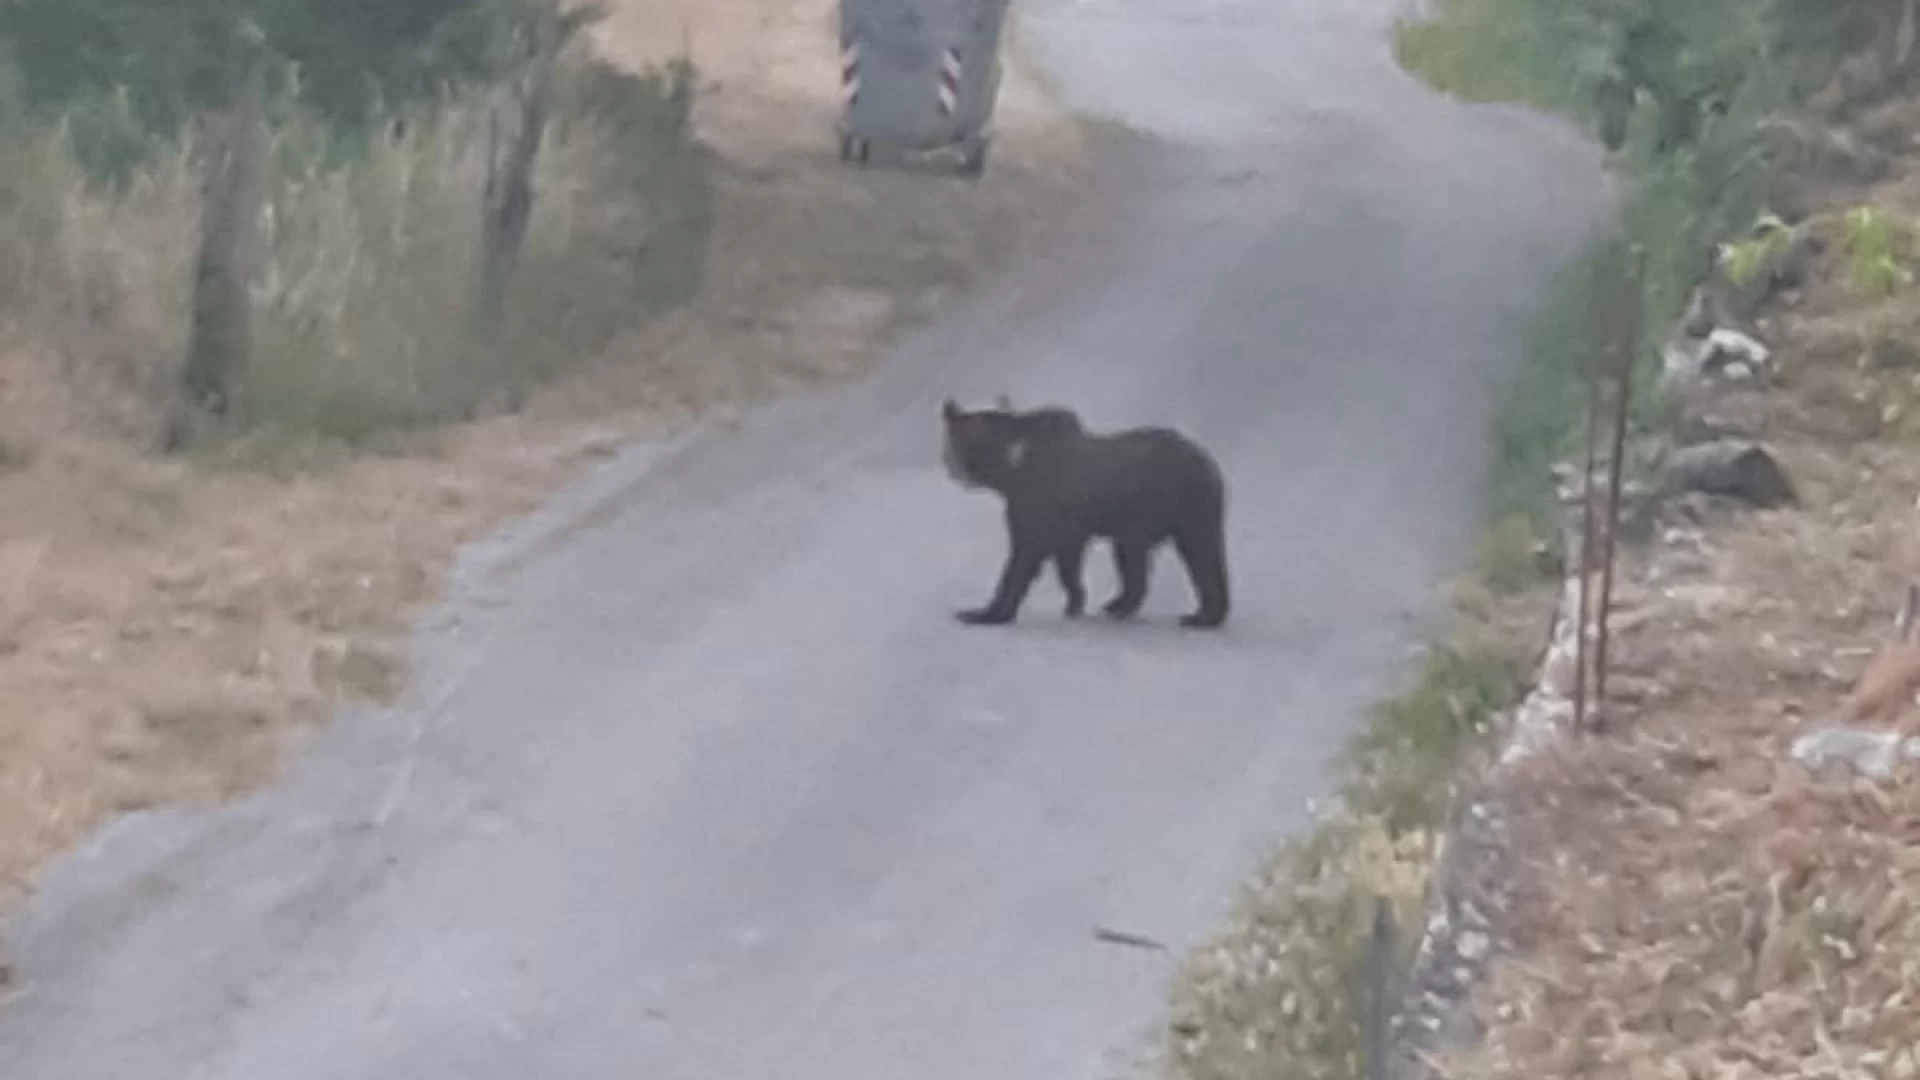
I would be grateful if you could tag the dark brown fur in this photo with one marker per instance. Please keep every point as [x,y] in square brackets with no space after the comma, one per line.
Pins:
[1064,487]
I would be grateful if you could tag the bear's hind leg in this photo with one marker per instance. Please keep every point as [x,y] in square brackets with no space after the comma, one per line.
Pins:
[1204,551]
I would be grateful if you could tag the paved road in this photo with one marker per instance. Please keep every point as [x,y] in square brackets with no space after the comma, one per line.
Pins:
[712,788]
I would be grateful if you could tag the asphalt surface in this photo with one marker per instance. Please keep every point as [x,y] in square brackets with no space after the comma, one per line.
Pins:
[707,784]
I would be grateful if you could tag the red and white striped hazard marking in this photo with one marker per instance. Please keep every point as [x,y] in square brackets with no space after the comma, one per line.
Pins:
[949,81]
[849,73]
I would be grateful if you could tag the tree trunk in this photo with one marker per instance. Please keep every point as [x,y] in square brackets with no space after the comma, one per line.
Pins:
[231,183]
[509,190]
[509,198]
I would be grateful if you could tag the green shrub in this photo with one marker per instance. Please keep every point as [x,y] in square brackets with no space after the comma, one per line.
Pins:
[370,243]
[1873,259]
[355,58]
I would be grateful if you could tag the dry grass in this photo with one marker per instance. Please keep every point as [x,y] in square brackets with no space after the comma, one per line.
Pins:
[1280,990]
[1280,993]
[170,630]
[167,635]
[1696,903]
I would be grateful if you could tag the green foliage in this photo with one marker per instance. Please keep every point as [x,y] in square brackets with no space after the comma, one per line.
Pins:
[370,238]
[1405,767]
[1745,260]
[360,327]
[1679,91]
[1281,994]
[1512,557]
[1671,67]
[1483,50]
[1543,409]
[380,138]
[128,75]
[175,55]
[1872,261]
[654,150]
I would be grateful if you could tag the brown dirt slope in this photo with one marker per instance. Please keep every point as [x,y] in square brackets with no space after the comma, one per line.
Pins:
[1693,900]
[169,631]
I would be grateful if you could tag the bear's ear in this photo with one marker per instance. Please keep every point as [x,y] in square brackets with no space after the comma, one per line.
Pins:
[949,411]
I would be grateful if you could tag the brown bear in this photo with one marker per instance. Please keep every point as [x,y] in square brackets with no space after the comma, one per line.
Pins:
[1064,486]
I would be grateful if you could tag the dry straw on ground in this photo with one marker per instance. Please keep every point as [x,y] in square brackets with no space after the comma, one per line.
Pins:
[1696,903]
[1282,990]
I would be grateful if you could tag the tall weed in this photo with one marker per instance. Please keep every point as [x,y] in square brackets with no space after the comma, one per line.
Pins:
[370,245]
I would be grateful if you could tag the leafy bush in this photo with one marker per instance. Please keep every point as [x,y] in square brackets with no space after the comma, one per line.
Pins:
[172,57]
[370,240]
[1873,263]
[1680,92]
[1745,260]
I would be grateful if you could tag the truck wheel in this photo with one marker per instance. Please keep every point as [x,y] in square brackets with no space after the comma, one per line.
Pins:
[973,158]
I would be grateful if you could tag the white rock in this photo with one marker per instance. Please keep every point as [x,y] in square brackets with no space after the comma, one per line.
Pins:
[1726,353]
[1536,724]
[1732,346]
[1871,753]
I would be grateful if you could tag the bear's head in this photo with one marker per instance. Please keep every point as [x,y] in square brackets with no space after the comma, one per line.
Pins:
[981,448]
[987,448]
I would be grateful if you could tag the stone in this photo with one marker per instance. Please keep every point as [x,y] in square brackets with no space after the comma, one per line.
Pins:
[1733,468]
[1890,352]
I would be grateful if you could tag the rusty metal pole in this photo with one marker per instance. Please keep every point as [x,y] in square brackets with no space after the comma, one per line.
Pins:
[1379,979]
[1585,562]
[1627,347]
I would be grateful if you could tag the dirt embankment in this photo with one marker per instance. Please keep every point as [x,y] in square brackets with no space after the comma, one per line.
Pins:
[169,631]
[1726,883]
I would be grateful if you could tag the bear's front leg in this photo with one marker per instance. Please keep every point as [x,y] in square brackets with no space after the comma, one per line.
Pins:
[1016,577]
[1067,561]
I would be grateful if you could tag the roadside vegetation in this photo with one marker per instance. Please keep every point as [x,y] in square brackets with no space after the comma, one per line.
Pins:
[363,197]
[294,304]
[1747,134]
[243,242]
